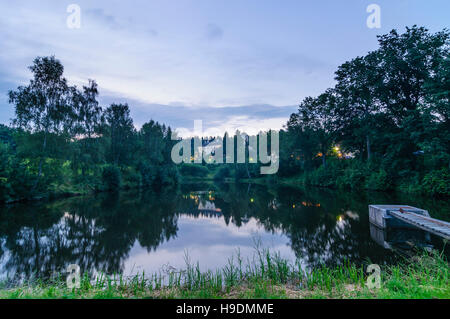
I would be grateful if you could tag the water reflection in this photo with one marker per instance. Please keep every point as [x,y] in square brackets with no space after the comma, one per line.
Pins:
[403,239]
[142,231]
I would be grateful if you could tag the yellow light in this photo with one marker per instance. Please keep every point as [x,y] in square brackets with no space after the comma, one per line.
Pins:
[293,206]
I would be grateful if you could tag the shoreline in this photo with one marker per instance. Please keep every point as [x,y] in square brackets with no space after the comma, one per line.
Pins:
[288,181]
[423,276]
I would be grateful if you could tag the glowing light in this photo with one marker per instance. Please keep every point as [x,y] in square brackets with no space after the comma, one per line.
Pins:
[251,200]
[293,206]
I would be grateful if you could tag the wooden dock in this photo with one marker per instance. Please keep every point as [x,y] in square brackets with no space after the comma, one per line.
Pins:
[404,216]
[431,225]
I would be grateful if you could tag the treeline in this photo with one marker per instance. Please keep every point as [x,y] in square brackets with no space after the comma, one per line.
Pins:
[63,141]
[384,125]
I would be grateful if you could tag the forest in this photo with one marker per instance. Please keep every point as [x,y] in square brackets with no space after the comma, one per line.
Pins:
[62,141]
[385,123]
[383,126]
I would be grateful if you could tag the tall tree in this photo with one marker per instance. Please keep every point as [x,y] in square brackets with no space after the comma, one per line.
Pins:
[87,126]
[316,120]
[121,133]
[42,107]
[357,102]
[152,142]
[407,61]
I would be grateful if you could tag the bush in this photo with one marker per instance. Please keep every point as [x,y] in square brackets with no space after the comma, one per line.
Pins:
[131,178]
[16,181]
[167,175]
[379,181]
[411,185]
[437,182]
[4,173]
[111,177]
[195,170]
[323,176]
[352,178]
[223,173]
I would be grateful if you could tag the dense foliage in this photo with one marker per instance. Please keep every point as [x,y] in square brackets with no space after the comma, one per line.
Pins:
[385,124]
[63,141]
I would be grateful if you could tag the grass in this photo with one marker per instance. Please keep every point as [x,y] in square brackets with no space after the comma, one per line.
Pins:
[267,275]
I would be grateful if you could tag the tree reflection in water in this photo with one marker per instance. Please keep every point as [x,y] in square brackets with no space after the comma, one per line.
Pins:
[97,232]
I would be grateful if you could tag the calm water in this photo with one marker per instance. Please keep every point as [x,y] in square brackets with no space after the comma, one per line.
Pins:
[132,232]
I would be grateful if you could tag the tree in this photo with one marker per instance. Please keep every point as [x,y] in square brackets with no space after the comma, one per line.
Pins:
[357,101]
[152,142]
[436,139]
[87,125]
[42,107]
[315,122]
[407,61]
[121,133]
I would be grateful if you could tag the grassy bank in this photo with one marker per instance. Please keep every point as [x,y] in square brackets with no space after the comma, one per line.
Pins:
[267,276]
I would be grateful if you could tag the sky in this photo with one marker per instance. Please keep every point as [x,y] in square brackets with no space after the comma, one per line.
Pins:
[235,64]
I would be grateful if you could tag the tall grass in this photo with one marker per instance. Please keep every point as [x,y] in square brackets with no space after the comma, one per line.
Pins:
[266,275]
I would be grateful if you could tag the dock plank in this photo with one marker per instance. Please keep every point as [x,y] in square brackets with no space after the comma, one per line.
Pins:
[434,226]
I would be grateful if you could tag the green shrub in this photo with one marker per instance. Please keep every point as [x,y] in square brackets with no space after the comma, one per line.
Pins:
[131,178]
[111,177]
[4,173]
[437,182]
[167,175]
[352,178]
[194,170]
[379,180]
[148,174]
[223,173]
[323,176]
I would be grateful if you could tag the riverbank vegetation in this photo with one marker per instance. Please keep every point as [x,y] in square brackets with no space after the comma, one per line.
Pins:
[266,276]
[383,126]
[63,142]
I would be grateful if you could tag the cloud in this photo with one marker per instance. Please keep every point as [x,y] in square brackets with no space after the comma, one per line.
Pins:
[216,244]
[102,17]
[118,46]
[216,120]
[213,31]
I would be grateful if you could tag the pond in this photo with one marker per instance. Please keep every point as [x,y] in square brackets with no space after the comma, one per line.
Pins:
[142,231]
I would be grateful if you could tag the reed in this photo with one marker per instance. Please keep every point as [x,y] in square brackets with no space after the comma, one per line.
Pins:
[266,275]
